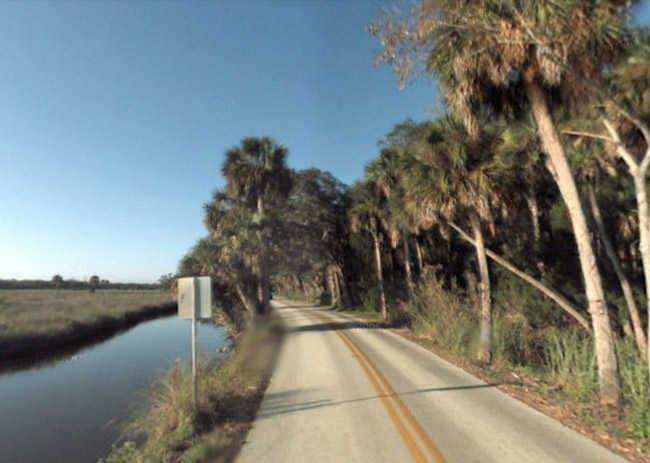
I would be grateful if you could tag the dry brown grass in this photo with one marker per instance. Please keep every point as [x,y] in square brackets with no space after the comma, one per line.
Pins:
[35,323]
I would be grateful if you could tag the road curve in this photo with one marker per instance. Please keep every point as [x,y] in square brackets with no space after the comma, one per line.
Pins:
[344,391]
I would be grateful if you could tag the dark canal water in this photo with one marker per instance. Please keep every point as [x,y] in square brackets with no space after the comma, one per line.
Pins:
[71,411]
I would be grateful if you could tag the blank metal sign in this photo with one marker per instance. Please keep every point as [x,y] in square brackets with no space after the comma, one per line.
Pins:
[186,297]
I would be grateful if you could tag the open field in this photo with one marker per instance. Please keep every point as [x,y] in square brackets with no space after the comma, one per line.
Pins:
[35,324]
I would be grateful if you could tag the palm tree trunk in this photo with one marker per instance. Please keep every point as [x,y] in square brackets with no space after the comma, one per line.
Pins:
[644,239]
[533,207]
[345,293]
[485,341]
[329,282]
[637,324]
[418,255]
[337,288]
[559,300]
[407,262]
[380,278]
[610,390]
[265,286]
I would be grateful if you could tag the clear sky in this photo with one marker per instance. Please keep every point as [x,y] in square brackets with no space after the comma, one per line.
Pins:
[114,118]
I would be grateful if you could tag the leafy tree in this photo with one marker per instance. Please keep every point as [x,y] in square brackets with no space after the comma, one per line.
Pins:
[93,282]
[57,280]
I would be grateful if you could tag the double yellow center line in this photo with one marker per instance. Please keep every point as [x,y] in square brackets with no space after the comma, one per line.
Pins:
[390,400]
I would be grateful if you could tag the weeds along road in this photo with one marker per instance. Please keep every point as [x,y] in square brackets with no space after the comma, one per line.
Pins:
[345,392]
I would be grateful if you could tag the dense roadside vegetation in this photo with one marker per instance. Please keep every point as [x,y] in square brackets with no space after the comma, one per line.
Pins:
[36,325]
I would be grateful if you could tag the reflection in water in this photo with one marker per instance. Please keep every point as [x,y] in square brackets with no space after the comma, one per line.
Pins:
[71,412]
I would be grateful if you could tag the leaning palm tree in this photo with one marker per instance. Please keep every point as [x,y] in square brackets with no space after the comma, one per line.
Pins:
[257,174]
[495,56]
[366,214]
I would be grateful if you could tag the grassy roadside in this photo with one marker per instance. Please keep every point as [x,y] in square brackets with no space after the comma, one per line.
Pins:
[36,325]
[534,387]
[168,431]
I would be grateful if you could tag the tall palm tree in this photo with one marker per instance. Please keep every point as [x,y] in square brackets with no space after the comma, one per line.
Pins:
[385,171]
[627,134]
[256,172]
[366,214]
[590,162]
[456,178]
[495,56]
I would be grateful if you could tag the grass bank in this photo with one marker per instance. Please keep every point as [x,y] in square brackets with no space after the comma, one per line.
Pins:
[36,325]
[550,368]
[167,430]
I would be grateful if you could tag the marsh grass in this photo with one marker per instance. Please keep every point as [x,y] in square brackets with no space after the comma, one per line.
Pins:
[636,389]
[168,429]
[571,363]
[39,323]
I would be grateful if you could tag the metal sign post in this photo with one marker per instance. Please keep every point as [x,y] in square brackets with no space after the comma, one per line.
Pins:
[194,302]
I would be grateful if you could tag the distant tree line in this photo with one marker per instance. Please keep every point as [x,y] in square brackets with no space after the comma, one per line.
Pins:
[58,282]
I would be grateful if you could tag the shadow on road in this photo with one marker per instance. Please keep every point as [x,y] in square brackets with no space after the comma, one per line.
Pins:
[334,326]
[269,410]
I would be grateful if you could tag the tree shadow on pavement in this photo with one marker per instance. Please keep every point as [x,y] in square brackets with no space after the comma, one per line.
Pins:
[269,411]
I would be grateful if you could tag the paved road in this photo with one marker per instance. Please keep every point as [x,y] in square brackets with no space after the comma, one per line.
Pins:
[344,392]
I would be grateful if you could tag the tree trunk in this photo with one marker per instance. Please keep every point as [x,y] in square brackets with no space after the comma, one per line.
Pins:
[485,341]
[559,300]
[337,288]
[637,324]
[418,255]
[345,293]
[329,282]
[265,286]
[610,390]
[533,207]
[380,278]
[249,302]
[644,240]
[407,263]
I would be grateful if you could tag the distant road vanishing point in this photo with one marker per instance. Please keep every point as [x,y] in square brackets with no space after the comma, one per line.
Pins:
[345,392]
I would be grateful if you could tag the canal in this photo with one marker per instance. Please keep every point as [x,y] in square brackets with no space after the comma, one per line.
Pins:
[72,411]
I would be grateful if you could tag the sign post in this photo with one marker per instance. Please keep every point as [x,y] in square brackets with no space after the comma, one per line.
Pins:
[194,302]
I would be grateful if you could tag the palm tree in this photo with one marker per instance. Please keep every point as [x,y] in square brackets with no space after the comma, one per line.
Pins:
[457,178]
[57,280]
[232,252]
[520,149]
[493,55]
[590,162]
[366,214]
[256,172]
[627,135]
[385,171]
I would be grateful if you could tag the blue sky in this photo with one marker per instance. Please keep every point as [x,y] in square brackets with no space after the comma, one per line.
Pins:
[114,118]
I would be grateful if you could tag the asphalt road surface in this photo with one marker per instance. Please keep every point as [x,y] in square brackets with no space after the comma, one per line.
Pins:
[345,391]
